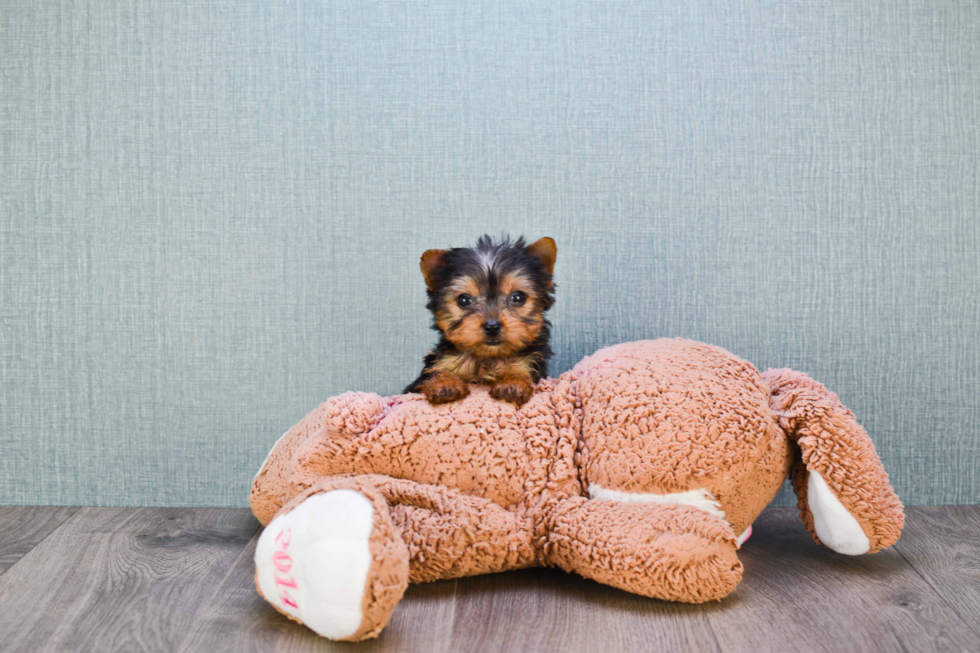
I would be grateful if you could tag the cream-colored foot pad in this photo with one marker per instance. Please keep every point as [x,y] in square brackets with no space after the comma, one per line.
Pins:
[312,563]
[836,527]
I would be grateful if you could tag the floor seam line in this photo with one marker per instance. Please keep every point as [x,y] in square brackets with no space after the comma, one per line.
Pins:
[57,528]
[452,617]
[711,629]
[197,616]
[935,589]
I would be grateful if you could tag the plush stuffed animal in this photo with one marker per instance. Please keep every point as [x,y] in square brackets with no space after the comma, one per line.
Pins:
[642,468]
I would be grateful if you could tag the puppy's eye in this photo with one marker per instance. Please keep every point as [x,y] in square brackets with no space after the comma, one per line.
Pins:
[464,300]
[517,298]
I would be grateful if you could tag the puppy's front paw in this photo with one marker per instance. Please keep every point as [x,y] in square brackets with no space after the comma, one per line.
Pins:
[444,388]
[515,389]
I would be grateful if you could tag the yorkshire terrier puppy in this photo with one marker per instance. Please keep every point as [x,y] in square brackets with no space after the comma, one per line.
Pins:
[488,304]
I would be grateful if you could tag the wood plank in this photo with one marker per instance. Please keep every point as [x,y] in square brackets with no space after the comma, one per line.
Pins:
[799,596]
[237,620]
[113,579]
[23,527]
[550,610]
[942,543]
[169,579]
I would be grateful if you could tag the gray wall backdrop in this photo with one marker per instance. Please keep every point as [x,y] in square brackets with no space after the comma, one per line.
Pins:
[211,213]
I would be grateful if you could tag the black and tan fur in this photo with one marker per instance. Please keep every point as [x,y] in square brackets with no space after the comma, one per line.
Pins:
[488,304]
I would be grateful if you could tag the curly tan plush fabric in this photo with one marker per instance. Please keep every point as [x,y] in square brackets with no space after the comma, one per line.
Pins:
[639,468]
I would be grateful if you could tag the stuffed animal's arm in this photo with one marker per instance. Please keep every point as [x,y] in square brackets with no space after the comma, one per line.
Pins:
[339,419]
[665,551]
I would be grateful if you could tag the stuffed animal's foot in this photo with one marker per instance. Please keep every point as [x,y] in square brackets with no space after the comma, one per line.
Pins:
[836,527]
[332,561]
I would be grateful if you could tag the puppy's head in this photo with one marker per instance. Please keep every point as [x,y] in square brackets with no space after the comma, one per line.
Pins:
[490,299]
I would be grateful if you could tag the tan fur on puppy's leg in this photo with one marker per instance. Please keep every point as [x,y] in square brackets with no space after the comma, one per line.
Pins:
[516,389]
[444,388]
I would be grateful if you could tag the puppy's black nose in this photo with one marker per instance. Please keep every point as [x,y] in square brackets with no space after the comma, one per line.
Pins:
[492,327]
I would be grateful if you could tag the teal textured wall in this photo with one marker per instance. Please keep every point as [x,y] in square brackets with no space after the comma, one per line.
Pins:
[211,213]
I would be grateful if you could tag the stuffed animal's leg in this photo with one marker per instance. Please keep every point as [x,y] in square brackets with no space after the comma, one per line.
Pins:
[451,535]
[333,560]
[340,554]
[844,495]
[665,551]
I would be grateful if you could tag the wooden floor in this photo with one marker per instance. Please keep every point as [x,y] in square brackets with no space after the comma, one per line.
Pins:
[180,579]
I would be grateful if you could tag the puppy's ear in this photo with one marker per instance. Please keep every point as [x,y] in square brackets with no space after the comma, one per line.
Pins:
[545,250]
[432,260]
